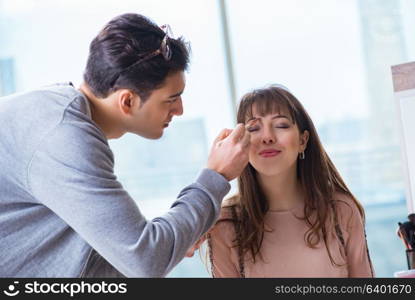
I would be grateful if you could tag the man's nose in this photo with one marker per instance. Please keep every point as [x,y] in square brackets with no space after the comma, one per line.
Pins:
[177,109]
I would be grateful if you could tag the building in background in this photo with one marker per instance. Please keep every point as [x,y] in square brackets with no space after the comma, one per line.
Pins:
[7,78]
[154,171]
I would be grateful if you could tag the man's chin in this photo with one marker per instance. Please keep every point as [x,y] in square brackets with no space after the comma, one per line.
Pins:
[150,135]
[156,137]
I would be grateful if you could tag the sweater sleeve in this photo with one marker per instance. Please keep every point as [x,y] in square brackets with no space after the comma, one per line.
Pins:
[357,252]
[71,173]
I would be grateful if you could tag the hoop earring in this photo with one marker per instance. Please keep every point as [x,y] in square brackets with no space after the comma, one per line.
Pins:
[302,155]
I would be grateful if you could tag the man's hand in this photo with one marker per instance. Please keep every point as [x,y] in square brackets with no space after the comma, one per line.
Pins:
[191,251]
[229,153]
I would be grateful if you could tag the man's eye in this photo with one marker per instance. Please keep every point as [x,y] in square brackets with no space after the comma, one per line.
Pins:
[172,100]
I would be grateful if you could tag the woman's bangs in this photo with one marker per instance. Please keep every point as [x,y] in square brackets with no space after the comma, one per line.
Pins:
[268,105]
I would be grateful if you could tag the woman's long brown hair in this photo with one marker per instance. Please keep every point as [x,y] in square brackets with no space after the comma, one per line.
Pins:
[317,174]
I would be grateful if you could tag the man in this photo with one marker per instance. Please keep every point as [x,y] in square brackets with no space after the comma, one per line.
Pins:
[62,211]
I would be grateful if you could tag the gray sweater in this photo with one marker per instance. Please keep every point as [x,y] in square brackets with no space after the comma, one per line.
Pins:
[62,211]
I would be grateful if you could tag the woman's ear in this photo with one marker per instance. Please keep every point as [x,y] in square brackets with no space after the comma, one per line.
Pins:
[304,140]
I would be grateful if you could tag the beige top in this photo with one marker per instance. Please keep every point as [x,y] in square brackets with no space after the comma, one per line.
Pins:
[285,251]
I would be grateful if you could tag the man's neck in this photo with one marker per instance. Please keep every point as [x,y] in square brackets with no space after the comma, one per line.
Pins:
[101,113]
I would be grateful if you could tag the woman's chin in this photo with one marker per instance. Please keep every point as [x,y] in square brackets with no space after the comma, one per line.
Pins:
[268,172]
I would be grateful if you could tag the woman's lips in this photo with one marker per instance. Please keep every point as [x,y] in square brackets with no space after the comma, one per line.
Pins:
[269,153]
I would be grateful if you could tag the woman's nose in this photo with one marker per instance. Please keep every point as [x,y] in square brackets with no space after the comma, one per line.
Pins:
[268,137]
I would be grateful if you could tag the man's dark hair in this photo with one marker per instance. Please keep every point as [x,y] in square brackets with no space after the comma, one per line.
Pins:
[120,44]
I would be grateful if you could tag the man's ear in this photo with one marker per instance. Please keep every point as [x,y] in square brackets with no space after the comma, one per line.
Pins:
[127,100]
[304,139]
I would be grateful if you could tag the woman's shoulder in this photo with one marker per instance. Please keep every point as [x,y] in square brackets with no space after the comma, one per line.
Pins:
[225,225]
[347,208]
[229,210]
[345,202]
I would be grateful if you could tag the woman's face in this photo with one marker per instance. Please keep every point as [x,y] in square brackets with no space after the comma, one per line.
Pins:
[275,142]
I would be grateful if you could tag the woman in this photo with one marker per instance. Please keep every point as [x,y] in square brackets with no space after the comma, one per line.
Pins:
[293,216]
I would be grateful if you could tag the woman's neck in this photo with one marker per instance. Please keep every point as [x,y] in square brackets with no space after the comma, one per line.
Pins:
[283,191]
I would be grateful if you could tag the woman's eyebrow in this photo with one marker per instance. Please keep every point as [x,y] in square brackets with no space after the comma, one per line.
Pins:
[251,119]
[274,117]
[279,116]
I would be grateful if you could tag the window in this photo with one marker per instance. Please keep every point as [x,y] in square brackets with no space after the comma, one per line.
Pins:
[334,55]
[6,76]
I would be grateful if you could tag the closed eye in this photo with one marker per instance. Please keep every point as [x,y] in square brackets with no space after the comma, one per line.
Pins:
[171,101]
[252,128]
